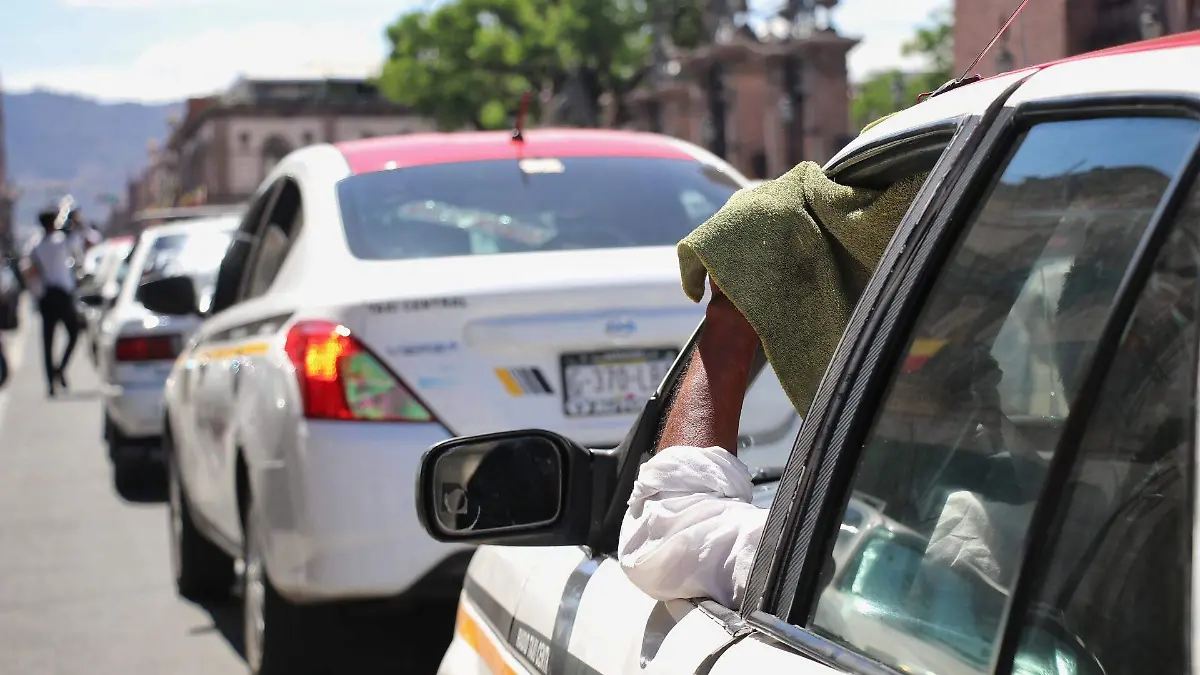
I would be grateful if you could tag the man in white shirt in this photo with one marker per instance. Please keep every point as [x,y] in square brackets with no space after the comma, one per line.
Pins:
[52,263]
[691,501]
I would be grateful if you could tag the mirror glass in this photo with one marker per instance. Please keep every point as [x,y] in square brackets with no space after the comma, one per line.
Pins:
[497,484]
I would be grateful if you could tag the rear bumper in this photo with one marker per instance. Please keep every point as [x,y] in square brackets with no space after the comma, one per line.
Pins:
[341,520]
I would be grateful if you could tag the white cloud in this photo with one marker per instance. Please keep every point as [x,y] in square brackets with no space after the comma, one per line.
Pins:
[210,61]
[883,26]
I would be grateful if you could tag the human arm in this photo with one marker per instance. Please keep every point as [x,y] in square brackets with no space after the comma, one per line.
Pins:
[708,403]
[691,530]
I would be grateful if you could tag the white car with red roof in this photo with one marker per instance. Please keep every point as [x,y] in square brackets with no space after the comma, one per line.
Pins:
[386,294]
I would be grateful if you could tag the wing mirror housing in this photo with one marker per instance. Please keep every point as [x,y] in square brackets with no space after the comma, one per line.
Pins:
[514,488]
[171,296]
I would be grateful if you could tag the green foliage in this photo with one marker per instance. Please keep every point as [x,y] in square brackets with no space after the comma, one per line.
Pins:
[467,62]
[891,91]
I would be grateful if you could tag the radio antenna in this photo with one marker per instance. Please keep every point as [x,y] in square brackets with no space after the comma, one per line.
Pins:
[964,79]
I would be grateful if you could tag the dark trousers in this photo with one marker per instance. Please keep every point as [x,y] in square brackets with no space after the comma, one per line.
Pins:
[57,306]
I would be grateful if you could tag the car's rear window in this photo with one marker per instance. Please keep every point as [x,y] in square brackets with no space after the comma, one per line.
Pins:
[509,206]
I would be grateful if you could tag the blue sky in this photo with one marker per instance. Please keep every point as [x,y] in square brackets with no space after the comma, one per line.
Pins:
[160,50]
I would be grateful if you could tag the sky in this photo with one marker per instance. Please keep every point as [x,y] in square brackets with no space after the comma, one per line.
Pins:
[168,50]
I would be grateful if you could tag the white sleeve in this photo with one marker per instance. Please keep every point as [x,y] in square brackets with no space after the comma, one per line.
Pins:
[691,531]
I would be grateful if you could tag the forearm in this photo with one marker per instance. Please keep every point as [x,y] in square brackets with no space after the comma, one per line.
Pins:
[708,403]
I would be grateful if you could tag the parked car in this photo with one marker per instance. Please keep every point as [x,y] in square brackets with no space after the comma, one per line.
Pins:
[136,347]
[10,293]
[98,289]
[394,292]
[994,475]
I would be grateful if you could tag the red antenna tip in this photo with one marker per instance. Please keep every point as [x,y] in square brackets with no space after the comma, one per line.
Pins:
[519,130]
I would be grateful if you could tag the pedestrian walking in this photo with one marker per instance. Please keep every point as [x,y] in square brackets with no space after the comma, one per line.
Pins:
[51,263]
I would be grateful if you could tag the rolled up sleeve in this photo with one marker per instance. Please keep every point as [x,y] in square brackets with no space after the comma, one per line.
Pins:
[691,531]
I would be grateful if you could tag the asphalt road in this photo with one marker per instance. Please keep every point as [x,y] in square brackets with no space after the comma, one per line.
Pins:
[85,581]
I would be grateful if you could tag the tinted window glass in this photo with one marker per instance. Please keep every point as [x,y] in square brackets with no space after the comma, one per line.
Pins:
[505,206]
[955,461]
[1117,570]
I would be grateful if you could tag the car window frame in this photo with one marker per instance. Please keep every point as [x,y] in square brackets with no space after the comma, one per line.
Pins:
[244,236]
[791,578]
[255,257]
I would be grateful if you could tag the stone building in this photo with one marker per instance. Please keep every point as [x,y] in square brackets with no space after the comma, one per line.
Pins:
[223,146]
[1053,29]
[764,101]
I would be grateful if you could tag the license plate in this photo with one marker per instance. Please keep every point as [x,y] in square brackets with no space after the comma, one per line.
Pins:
[616,382]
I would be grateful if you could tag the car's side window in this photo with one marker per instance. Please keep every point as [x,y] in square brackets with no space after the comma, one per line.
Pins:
[275,239]
[1115,575]
[232,272]
[946,481]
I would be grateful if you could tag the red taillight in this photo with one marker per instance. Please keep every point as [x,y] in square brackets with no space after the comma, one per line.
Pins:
[147,348]
[340,380]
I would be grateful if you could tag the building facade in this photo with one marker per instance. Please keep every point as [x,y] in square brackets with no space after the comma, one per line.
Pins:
[1047,30]
[763,101]
[223,146]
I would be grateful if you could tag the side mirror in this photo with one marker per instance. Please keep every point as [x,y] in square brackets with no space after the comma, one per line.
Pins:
[516,488]
[172,296]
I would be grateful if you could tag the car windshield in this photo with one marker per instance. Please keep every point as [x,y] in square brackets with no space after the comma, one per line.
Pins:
[198,256]
[509,206]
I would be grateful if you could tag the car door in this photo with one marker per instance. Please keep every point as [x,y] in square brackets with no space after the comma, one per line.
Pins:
[204,400]
[948,522]
[236,366]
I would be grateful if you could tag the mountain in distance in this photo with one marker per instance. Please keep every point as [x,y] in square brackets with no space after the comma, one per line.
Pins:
[60,143]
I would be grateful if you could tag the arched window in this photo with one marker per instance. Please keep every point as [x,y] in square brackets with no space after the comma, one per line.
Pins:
[274,149]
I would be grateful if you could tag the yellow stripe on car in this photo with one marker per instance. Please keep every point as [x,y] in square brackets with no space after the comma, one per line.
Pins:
[481,643]
[509,382]
[253,349]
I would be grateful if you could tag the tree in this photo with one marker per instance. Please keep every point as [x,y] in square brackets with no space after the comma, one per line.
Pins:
[893,90]
[466,63]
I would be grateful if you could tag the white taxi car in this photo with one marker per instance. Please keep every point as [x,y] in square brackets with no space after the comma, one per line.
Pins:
[383,295]
[136,347]
[997,474]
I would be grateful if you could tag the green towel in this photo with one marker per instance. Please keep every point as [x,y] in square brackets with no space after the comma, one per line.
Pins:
[793,254]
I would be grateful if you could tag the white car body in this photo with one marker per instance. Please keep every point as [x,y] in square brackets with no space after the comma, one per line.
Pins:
[465,333]
[556,610]
[133,389]
[102,282]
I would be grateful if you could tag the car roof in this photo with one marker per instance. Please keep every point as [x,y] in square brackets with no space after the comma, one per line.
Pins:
[975,97]
[379,154]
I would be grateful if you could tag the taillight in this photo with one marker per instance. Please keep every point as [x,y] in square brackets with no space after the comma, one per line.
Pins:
[147,348]
[340,380]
